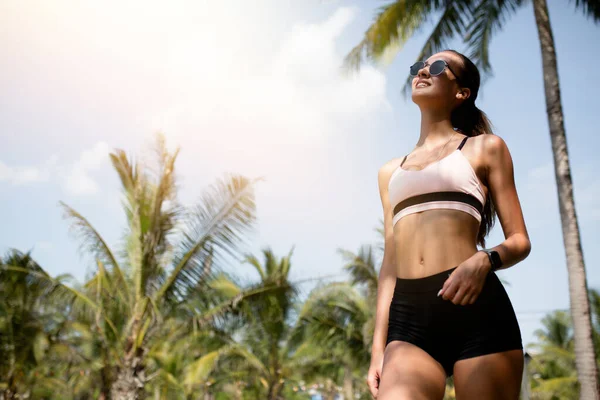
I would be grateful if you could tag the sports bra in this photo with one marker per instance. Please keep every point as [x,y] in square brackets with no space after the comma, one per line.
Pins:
[449,183]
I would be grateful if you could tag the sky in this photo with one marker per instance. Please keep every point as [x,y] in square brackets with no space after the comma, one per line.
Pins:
[255,88]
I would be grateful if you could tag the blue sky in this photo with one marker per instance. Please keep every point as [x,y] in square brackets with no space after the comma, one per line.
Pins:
[255,89]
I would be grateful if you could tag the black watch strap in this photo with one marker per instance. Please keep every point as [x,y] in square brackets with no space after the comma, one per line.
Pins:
[495,260]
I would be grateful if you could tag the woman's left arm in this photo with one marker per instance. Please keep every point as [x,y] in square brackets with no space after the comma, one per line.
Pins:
[466,282]
[501,184]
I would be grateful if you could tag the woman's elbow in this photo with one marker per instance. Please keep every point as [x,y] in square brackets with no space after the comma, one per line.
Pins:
[526,248]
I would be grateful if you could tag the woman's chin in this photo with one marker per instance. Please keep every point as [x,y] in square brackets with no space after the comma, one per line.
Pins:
[426,97]
[421,97]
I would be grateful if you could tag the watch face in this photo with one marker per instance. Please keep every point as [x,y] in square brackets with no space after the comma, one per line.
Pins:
[496,259]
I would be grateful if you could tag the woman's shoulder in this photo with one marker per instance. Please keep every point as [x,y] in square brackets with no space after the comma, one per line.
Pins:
[387,169]
[489,143]
[486,145]
[493,151]
[390,166]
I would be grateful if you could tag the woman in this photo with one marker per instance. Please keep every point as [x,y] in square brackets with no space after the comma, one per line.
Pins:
[441,309]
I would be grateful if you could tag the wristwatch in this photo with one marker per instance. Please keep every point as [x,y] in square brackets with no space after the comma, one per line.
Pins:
[495,260]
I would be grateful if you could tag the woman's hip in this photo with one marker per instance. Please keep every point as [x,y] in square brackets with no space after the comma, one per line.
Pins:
[415,307]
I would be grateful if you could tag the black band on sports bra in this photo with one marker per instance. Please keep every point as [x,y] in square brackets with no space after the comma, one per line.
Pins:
[440,196]
[403,160]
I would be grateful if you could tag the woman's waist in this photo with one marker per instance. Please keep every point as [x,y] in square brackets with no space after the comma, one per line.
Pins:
[423,283]
[417,264]
[437,227]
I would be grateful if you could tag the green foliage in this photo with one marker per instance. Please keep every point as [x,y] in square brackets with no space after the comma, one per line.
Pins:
[552,369]
[195,328]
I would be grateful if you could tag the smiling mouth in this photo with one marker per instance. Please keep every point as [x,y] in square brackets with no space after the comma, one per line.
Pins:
[422,85]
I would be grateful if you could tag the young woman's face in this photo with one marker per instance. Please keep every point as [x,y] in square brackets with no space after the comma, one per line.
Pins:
[438,91]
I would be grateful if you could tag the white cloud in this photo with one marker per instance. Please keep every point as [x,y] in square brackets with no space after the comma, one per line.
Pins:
[23,175]
[242,112]
[75,178]
[247,101]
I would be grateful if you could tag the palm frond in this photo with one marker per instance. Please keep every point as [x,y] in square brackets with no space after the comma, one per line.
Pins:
[231,304]
[255,262]
[590,8]
[163,214]
[60,291]
[394,24]
[218,224]
[564,387]
[200,370]
[333,313]
[92,241]
[361,267]
[152,213]
[488,17]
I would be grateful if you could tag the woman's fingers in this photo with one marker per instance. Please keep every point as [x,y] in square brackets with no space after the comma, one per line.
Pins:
[450,291]
[459,295]
[466,299]
[373,382]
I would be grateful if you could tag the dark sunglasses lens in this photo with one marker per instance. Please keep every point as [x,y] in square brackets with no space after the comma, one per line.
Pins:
[414,69]
[437,67]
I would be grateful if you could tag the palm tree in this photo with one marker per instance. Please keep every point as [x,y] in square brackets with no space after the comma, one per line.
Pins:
[475,21]
[334,317]
[554,372]
[262,356]
[36,341]
[171,356]
[553,366]
[342,313]
[171,256]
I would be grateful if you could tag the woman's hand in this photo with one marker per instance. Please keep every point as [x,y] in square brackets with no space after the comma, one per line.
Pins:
[374,374]
[466,282]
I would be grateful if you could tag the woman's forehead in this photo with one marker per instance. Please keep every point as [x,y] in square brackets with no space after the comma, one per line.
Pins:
[442,56]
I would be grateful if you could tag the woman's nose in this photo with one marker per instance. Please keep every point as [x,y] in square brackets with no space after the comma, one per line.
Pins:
[424,72]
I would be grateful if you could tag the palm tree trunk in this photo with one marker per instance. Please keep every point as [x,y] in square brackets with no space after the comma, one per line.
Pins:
[348,389]
[587,369]
[329,390]
[208,396]
[105,381]
[130,380]
[274,391]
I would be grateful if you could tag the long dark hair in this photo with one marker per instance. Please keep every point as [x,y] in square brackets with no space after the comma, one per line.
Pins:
[471,121]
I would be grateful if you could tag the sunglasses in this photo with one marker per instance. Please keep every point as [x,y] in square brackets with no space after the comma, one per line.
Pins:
[435,68]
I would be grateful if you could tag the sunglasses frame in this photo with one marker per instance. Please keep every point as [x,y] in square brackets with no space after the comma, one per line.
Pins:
[425,64]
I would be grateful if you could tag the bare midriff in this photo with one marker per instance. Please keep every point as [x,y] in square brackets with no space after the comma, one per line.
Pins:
[433,241]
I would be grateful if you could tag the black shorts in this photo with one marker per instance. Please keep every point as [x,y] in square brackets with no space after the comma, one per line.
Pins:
[451,332]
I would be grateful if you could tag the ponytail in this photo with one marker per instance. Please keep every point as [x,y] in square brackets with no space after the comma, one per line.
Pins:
[470,119]
[473,122]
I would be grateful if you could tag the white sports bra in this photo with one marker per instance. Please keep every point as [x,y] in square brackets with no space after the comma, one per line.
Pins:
[449,183]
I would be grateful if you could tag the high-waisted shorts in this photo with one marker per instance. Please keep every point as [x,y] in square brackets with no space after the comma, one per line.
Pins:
[450,332]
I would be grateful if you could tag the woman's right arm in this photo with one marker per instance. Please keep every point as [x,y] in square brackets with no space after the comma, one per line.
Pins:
[387,272]
[385,287]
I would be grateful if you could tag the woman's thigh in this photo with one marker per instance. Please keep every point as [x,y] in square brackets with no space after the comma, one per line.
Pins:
[410,373]
[489,364]
[495,376]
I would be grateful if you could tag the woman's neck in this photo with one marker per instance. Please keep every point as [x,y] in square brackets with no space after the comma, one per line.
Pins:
[436,129]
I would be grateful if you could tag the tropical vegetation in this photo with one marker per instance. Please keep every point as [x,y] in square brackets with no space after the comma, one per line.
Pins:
[167,315]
